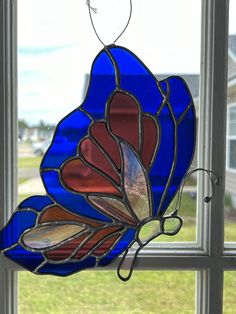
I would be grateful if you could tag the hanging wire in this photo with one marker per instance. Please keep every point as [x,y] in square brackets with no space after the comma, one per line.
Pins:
[91,8]
[94,10]
[127,24]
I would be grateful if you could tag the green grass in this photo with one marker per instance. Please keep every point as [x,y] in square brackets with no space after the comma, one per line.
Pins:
[186,234]
[22,180]
[165,292]
[229,292]
[187,208]
[102,292]
[162,292]
[230,231]
[191,181]
[29,162]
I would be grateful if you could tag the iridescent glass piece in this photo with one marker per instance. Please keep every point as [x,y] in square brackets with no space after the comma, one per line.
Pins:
[113,207]
[49,236]
[135,184]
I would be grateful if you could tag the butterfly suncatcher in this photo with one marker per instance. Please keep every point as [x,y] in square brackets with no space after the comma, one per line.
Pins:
[114,165]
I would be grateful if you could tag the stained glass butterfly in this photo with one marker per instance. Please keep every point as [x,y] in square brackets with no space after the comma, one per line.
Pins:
[112,169]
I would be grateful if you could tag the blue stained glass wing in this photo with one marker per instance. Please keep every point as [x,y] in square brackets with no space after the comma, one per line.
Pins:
[114,163]
[159,174]
[134,77]
[27,259]
[65,141]
[19,222]
[102,84]
[37,202]
[178,122]
[67,268]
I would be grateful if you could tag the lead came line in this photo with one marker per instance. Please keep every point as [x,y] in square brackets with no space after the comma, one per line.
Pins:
[175,153]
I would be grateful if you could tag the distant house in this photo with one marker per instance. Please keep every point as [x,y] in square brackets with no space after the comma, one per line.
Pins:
[36,133]
[193,83]
[231,121]
[23,131]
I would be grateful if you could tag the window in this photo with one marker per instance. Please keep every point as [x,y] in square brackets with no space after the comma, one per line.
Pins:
[207,256]
[231,138]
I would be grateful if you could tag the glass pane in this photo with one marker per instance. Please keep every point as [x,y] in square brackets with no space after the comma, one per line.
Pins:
[232,154]
[101,292]
[179,48]
[230,194]
[232,121]
[229,292]
[54,61]
[54,64]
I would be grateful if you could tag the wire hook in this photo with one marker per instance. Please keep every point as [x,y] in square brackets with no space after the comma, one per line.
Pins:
[94,10]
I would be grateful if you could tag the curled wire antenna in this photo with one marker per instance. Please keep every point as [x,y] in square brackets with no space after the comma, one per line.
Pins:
[213,178]
[94,10]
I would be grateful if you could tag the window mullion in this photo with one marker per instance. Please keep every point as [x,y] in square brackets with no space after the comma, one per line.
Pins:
[8,143]
[217,83]
[202,291]
[213,107]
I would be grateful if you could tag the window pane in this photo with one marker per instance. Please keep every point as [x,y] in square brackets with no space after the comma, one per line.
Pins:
[232,121]
[229,292]
[230,193]
[232,154]
[191,74]
[54,64]
[101,292]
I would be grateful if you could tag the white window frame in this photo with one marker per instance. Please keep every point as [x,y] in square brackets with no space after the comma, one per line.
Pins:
[8,144]
[207,256]
[229,138]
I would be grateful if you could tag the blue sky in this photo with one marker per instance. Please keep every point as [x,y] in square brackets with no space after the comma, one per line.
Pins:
[56,46]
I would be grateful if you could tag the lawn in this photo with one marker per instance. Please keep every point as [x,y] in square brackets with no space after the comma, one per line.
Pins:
[159,292]
[102,292]
[162,292]
[29,162]
[22,180]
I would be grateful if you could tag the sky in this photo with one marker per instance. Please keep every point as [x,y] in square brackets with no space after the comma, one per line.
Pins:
[57,45]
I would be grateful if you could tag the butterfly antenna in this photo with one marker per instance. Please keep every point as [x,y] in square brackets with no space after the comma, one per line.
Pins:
[213,178]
